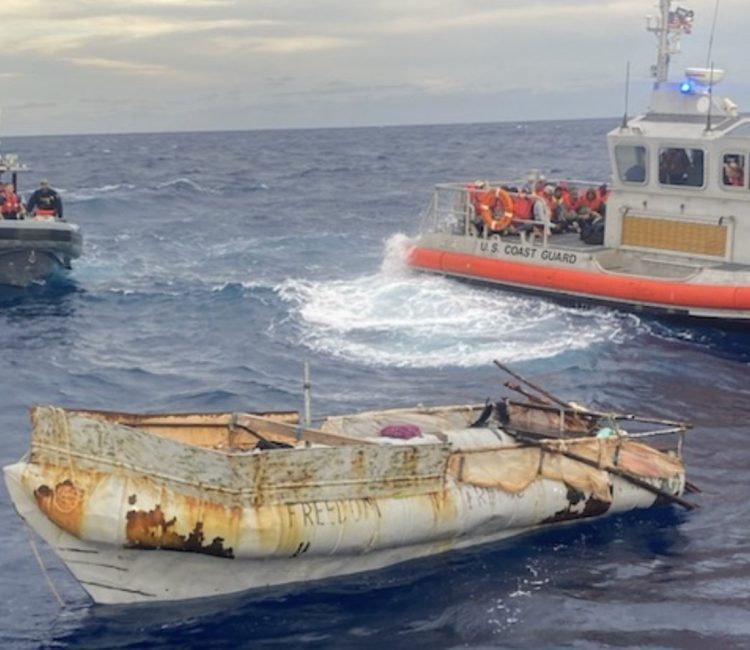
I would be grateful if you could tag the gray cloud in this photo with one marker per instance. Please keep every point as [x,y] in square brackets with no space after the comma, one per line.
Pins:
[210,64]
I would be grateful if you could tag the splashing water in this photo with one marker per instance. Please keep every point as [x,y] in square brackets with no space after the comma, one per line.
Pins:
[399,318]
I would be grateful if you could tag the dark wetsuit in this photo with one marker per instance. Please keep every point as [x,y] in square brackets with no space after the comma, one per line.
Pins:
[45,198]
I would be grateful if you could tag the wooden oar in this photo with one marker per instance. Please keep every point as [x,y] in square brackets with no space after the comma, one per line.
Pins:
[616,471]
[572,409]
[538,389]
[529,396]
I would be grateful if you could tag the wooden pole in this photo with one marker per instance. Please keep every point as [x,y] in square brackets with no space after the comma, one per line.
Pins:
[538,389]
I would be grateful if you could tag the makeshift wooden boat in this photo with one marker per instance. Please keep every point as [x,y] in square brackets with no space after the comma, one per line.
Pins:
[33,248]
[145,508]
[675,236]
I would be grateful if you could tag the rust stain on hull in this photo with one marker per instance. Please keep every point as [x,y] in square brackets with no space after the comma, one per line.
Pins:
[152,530]
[64,505]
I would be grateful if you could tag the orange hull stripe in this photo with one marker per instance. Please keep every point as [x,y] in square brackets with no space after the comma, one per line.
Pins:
[612,286]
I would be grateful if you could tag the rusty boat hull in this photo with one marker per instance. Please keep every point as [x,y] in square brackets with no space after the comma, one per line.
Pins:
[170,507]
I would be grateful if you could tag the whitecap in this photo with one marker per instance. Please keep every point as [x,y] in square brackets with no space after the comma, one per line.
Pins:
[183,183]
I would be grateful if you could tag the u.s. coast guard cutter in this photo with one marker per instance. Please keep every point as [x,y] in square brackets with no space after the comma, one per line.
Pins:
[676,236]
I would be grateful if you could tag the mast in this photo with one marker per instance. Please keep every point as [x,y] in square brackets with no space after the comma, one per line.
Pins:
[663,51]
[668,29]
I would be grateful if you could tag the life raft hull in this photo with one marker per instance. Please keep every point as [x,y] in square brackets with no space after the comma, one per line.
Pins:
[171,507]
[731,301]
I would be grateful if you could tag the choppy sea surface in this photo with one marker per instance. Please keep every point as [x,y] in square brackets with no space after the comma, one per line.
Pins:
[215,264]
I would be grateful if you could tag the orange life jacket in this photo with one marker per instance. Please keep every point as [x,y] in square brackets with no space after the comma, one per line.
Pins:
[523,207]
[593,203]
[12,204]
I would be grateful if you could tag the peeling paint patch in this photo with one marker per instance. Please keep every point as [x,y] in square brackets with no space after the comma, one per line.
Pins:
[579,507]
[152,530]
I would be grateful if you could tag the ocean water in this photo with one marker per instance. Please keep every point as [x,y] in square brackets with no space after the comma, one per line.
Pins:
[215,264]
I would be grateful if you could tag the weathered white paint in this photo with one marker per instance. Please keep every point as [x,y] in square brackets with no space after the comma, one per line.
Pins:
[99,493]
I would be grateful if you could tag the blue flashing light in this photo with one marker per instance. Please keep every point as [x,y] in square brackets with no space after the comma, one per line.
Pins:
[686,87]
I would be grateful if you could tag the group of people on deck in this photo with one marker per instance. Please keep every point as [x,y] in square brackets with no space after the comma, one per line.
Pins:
[44,203]
[570,209]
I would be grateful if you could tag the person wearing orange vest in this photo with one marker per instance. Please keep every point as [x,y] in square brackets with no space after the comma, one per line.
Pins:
[477,191]
[592,201]
[523,206]
[11,206]
[45,202]
[591,219]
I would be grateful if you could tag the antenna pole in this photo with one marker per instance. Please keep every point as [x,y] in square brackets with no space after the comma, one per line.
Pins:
[627,92]
[711,39]
[306,391]
[710,97]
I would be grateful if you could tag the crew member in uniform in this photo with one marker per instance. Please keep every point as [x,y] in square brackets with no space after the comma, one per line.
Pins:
[45,202]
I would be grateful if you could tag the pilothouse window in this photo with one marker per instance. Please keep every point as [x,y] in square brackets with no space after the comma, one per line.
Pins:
[733,170]
[631,163]
[678,166]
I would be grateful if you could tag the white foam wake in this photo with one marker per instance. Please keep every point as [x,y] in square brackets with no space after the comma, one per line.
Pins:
[399,318]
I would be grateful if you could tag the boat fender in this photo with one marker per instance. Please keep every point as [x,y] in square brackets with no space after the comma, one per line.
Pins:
[504,203]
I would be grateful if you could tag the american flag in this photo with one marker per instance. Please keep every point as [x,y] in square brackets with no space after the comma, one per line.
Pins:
[681,20]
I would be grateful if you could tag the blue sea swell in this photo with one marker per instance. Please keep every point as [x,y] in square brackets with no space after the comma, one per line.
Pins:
[215,264]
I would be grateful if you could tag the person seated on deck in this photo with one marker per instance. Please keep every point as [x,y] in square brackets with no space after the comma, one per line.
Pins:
[592,227]
[476,189]
[540,209]
[734,174]
[591,202]
[523,210]
[45,202]
[552,196]
[11,206]
[562,209]
[574,199]
[603,193]
[591,217]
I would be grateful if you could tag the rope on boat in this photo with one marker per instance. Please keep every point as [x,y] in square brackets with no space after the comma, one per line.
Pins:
[42,566]
[62,421]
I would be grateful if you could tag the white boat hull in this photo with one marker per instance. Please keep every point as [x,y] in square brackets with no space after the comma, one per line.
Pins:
[141,510]
[113,574]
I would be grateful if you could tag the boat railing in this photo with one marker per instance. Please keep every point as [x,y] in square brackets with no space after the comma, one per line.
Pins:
[451,210]
[570,421]
[675,436]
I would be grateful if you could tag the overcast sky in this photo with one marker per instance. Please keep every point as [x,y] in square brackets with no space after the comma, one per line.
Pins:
[112,66]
